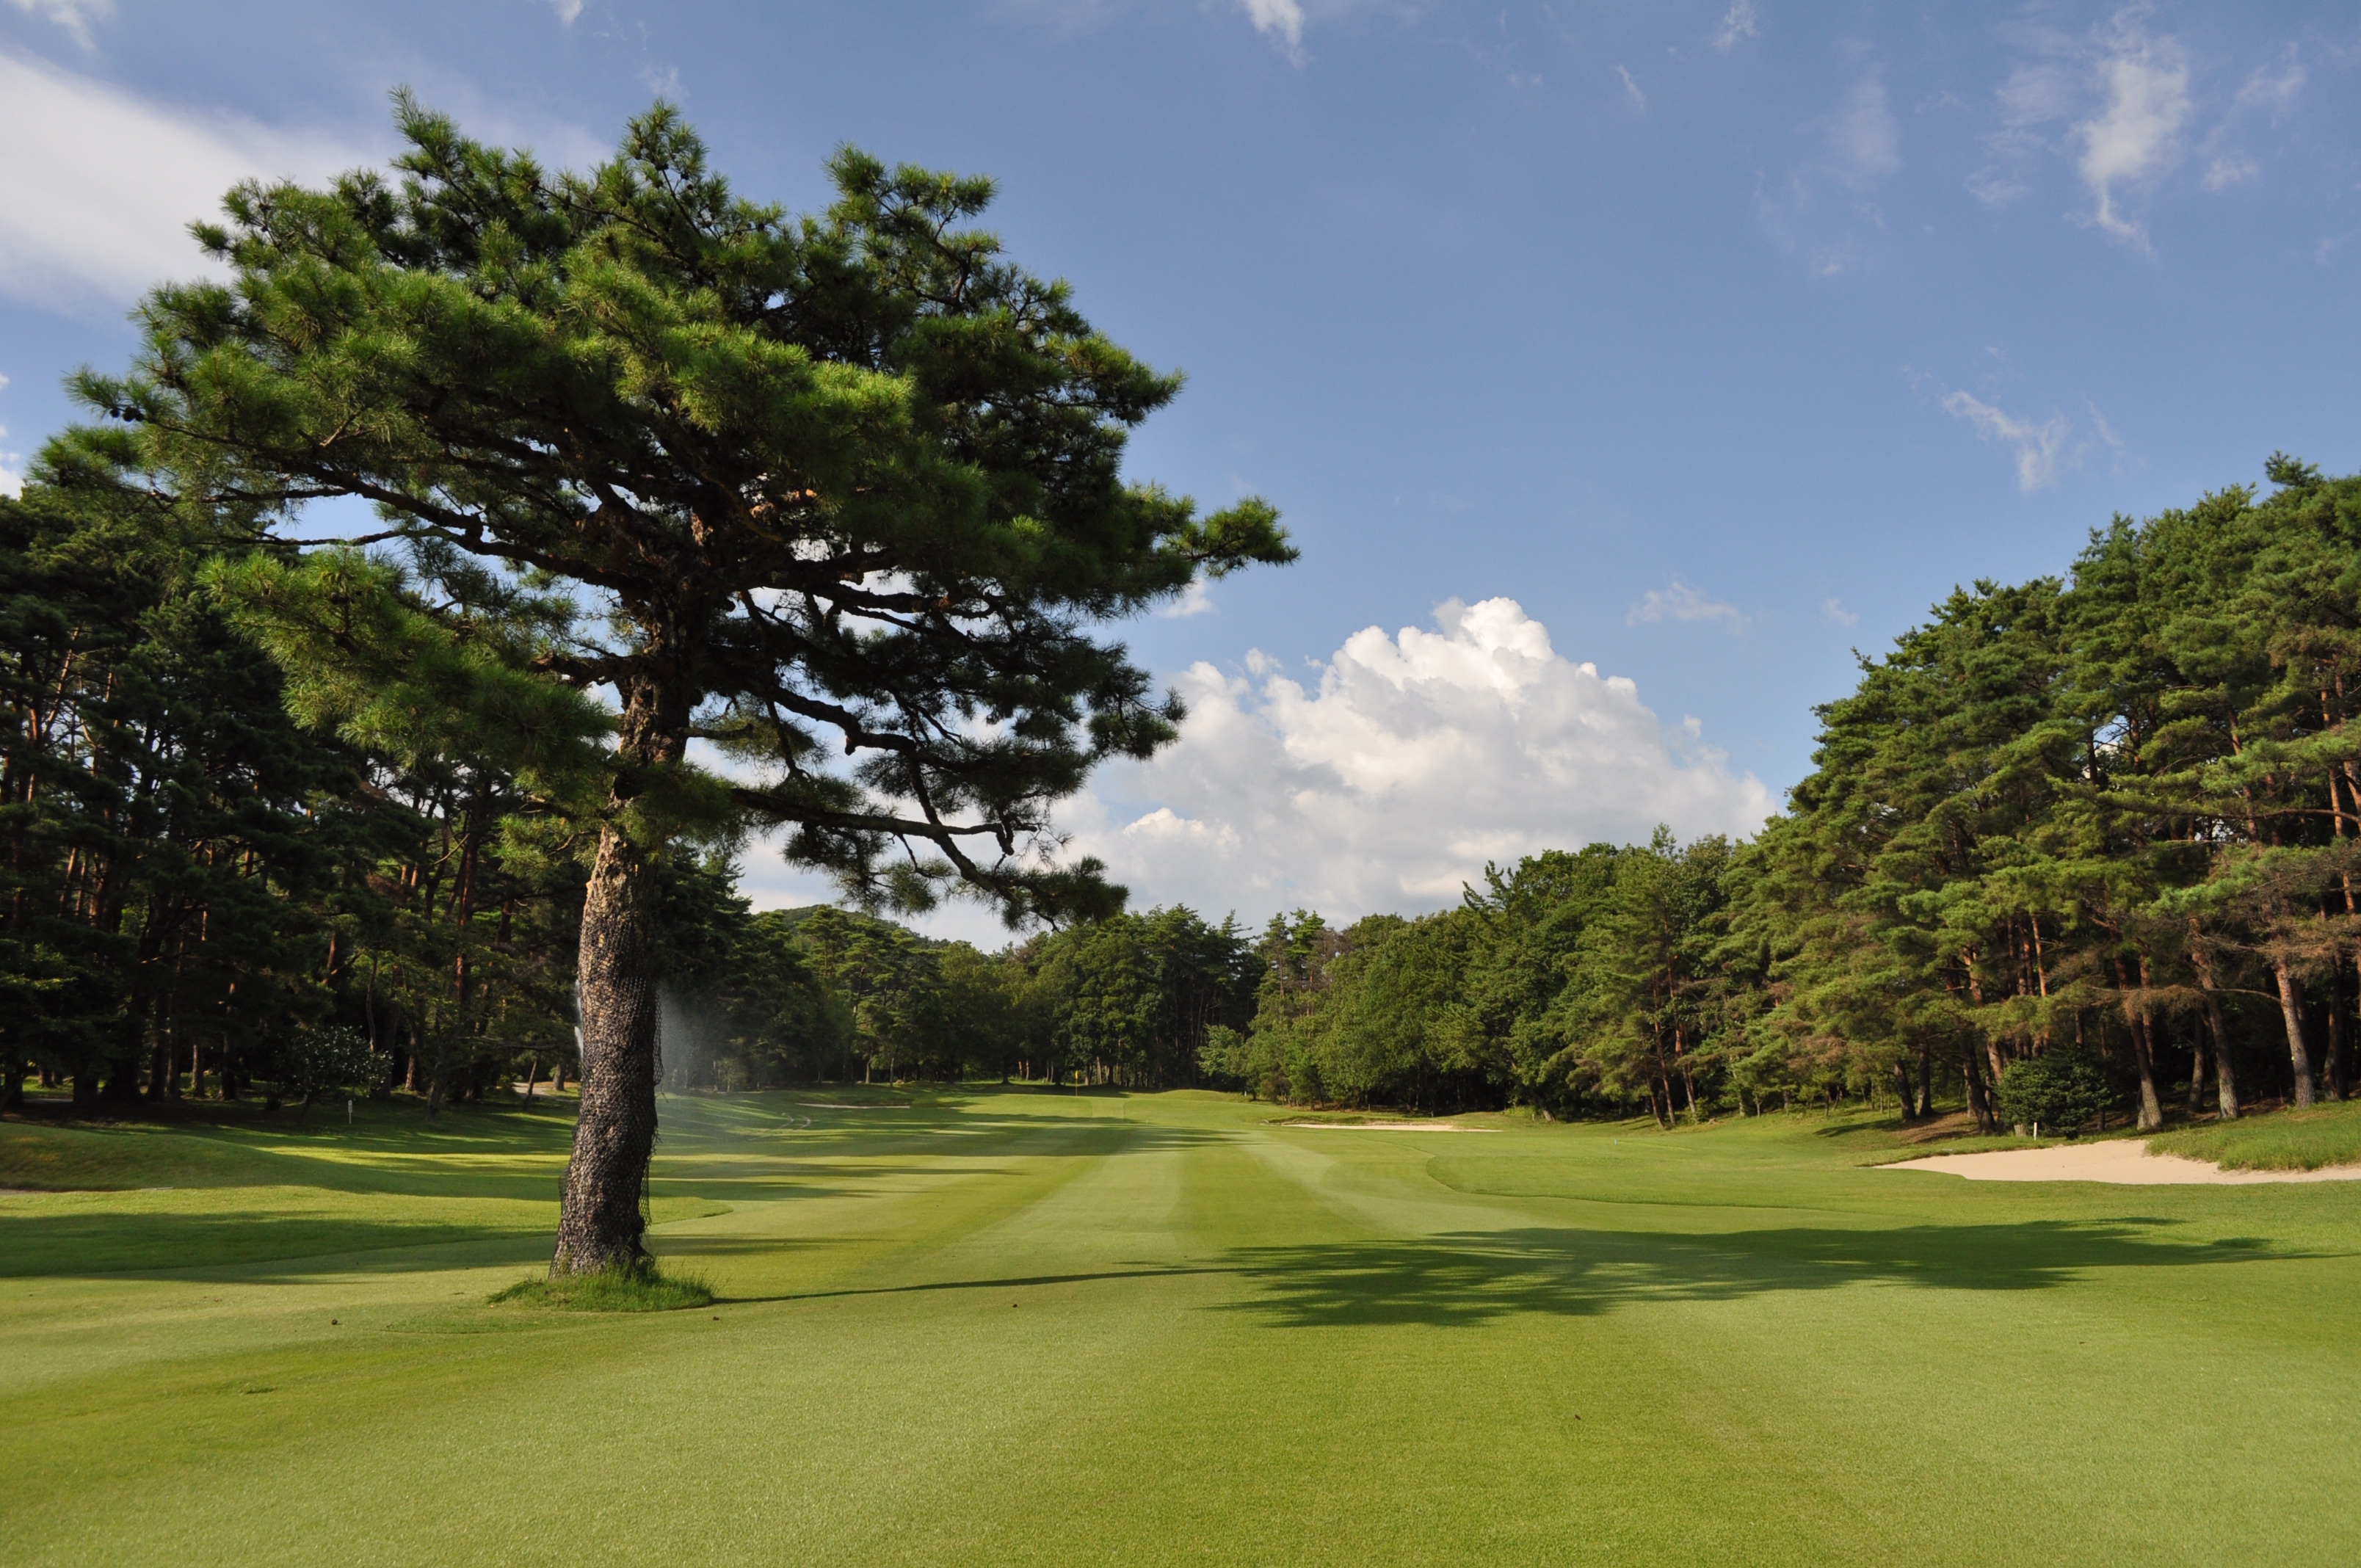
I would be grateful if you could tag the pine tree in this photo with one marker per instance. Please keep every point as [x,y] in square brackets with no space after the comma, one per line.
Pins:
[836,487]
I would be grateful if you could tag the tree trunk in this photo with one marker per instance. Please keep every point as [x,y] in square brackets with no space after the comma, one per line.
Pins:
[600,1225]
[2332,1070]
[2291,1012]
[2151,1109]
[1902,1082]
[2223,1081]
[2196,1075]
[1979,1103]
[1926,1082]
[2225,1085]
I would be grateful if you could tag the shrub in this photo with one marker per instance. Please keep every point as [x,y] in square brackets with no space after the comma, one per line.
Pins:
[2060,1089]
[320,1064]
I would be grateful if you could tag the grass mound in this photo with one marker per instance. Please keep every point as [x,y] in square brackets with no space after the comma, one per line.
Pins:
[644,1288]
[2288,1140]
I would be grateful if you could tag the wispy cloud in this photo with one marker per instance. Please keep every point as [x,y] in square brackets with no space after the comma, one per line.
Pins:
[1632,87]
[2129,108]
[2106,432]
[1824,210]
[74,16]
[1740,22]
[567,10]
[1281,19]
[2221,173]
[2041,448]
[1833,612]
[1679,601]
[1861,132]
[2136,137]
[2272,87]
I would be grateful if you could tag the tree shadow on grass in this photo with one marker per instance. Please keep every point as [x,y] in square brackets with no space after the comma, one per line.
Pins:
[1474,1278]
[1004,1282]
[512,1155]
[226,1246]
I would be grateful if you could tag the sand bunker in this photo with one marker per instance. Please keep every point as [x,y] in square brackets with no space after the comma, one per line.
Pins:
[1392,1126]
[2123,1160]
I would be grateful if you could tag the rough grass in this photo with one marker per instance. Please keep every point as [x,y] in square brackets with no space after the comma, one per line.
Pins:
[1030,1328]
[2283,1140]
[647,1288]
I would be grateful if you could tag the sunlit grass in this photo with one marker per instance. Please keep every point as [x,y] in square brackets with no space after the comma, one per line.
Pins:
[1151,1328]
[2284,1140]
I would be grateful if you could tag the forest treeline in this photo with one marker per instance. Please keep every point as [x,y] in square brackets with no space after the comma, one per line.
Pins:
[2073,846]
[2079,846]
[207,895]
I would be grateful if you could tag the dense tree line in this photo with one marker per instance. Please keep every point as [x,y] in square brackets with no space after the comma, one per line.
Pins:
[206,895]
[2073,846]
[233,870]
[2078,846]
[826,994]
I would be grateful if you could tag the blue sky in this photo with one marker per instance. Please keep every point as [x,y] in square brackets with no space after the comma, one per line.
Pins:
[1697,344]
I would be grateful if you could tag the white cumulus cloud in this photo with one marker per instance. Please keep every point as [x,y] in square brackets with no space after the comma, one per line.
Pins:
[97,188]
[1195,599]
[1391,779]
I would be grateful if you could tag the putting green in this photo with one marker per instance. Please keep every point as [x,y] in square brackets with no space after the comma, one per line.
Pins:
[1011,1327]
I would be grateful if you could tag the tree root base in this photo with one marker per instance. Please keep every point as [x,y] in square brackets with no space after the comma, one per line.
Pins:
[639,1287]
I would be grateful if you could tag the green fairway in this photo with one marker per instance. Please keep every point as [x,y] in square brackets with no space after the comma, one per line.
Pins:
[1024,1327]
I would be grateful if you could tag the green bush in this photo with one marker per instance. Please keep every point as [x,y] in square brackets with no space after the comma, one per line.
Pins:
[2059,1089]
